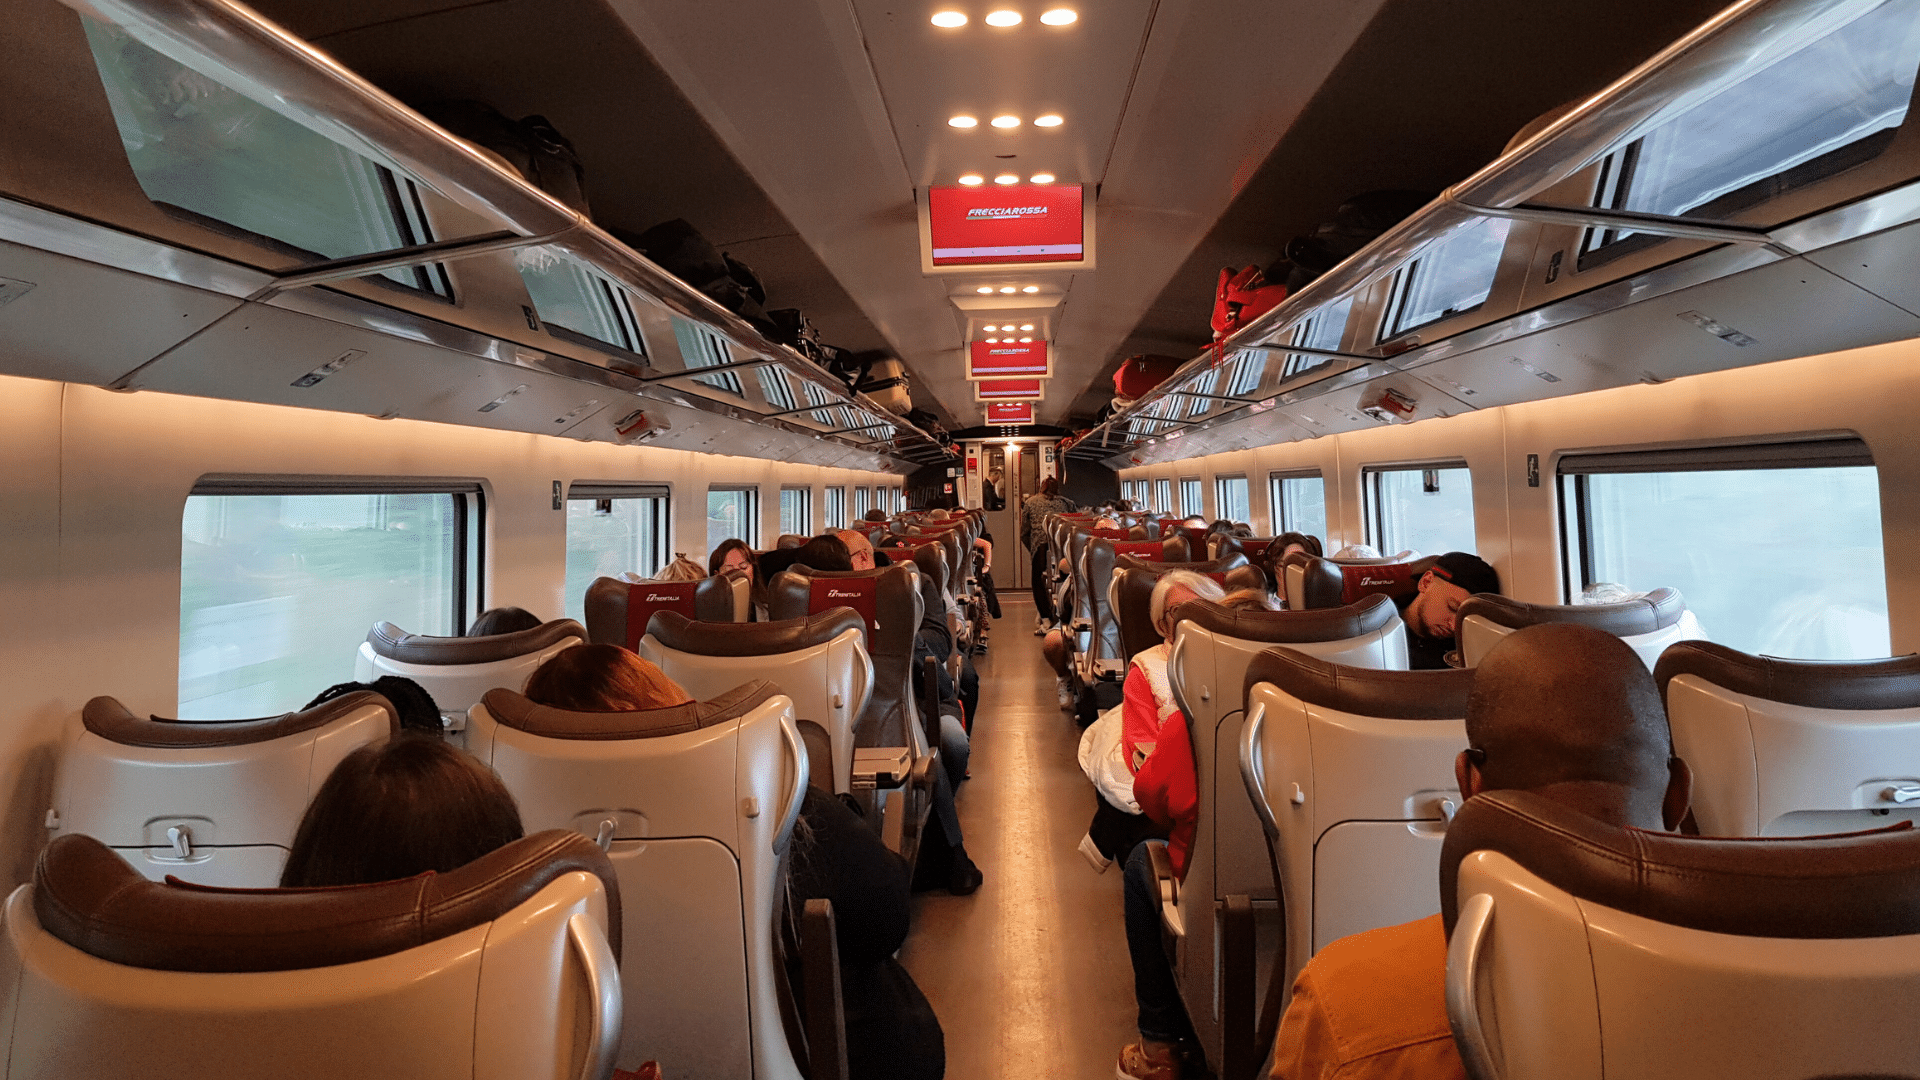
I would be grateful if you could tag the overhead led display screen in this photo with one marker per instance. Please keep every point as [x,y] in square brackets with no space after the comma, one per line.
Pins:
[999,227]
[1008,412]
[1009,390]
[991,360]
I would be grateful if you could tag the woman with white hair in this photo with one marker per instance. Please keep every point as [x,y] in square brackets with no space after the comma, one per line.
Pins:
[1159,749]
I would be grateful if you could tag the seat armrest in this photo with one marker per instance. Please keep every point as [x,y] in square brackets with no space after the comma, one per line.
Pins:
[882,767]
[826,1020]
[1109,669]
[1167,888]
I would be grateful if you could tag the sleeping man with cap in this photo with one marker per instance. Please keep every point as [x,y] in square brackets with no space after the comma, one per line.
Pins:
[1432,610]
[1566,712]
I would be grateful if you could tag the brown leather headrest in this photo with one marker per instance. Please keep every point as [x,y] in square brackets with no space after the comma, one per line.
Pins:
[676,631]
[1390,695]
[618,611]
[895,602]
[107,718]
[514,710]
[1893,683]
[1657,610]
[88,897]
[1332,583]
[1858,885]
[1283,627]
[1211,566]
[394,643]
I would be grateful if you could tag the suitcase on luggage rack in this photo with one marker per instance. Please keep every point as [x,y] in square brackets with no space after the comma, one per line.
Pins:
[530,146]
[884,379]
[1241,297]
[1140,374]
[682,251]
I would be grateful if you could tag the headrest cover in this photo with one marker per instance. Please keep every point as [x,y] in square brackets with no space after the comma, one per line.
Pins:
[646,598]
[110,720]
[1859,885]
[1657,610]
[1283,627]
[394,643]
[1393,579]
[1893,683]
[88,897]
[1389,695]
[1150,550]
[1213,568]
[676,631]
[827,594]
[514,710]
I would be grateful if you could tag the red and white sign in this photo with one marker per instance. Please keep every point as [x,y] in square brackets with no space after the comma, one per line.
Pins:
[1016,225]
[1007,412]
[987,360]
[1009,390]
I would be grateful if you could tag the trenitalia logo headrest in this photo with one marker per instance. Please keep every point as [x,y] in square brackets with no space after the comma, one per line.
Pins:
[836,594]
[670,598]
[1368,582]
[992,213]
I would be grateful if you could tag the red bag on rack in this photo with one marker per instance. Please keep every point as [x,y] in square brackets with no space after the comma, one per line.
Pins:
[1242,297]
[1140,374]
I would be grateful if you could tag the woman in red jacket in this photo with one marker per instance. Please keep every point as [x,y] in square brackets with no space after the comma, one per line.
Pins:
[1160,752]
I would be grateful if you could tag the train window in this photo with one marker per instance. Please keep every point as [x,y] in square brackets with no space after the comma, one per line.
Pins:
[1826,107]
[1423,508]
[1321,330]
[733,513]
[702,348]
[205,151]
[1230,499]
[1163,496]
[796,511]
[1246,374]
[1450,276]
[775,387]
[279,584]
[1190,498]
[862,502]
[614,529]
[568,295]
[1297,502]
[1777,549]
[836,516]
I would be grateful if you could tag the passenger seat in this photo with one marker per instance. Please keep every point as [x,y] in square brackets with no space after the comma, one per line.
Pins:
[455,671]
[618,608]
[1648,624]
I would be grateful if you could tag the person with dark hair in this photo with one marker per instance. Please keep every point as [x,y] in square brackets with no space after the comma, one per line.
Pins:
[824,552]
[876,516]
[602,678]
[734,554]
[1276,552]
[398,808]
[503,620]
[418,712]
[1431,610]
[1564,711]
[1033,513]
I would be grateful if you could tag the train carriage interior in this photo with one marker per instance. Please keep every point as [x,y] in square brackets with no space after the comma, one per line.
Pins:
[763,540]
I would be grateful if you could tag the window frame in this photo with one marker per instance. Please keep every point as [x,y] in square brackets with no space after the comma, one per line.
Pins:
[1219,495]
[1573,510]
[829,510]
[1401,283]
[599,491]
[1374,526]
[1199,485]
[1163,495]
[1277,516]
[806,509]
[752,515]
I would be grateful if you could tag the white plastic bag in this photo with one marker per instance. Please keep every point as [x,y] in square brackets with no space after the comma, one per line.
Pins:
[1104,759]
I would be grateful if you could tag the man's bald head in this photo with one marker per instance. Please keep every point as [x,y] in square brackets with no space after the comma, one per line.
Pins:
[1571,712]
[859,548]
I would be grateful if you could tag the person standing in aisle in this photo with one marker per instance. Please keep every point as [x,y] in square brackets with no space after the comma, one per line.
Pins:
[1032,512]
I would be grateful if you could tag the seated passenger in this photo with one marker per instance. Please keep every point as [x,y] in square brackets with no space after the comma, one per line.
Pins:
[1160,751]
[1564,711]
[503,620]
[876,516]
[602,678]
[1606,592]
[1432,609]
[418,712]
[1278,549]
[398,808]
[891,1028]
[681,569]
[1249,600]
[789,540]
[734,554]
[825,552]
[860,550]
[1358,551]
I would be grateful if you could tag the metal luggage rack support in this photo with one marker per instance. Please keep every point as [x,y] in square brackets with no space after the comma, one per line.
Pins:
[264,61]
[1713,56]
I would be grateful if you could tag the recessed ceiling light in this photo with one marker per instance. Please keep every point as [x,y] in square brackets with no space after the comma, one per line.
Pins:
[963,121]
[1026,339]
[1031,288]
[990,328]
[1049,120]
[1027,328]
[984,289]
[1006,288]
[972,179]
[1056,17]
[1004,17]
[1006,178]
[1041,178]
[951,19]
[1006,121]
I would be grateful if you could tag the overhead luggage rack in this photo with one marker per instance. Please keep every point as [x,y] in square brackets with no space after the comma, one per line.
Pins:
[1504,289]
[500,220]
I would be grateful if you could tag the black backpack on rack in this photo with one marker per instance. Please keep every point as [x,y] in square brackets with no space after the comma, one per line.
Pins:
[680,250]
[530,146]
